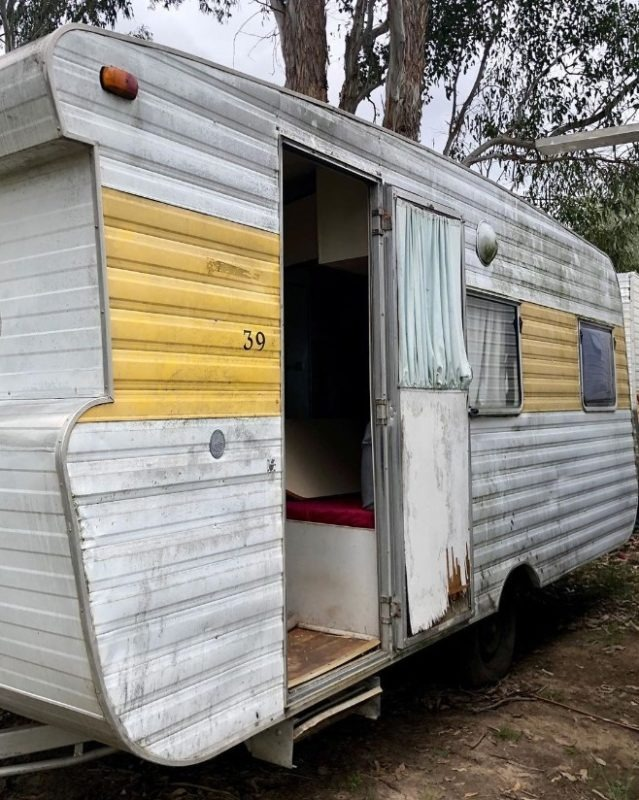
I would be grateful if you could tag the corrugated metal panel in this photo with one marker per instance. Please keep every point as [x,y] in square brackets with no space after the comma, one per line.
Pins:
[205,138]
[184,290]
[621,369]
[634,333]
[629,286]
[50,347]
[550,356]
[184,568]
[582,465]
[27,114]
[51,342]
[219,158]
[623,279]
[43,656]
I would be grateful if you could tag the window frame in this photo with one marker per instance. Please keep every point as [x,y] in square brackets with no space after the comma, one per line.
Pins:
[498,411]
[602,327]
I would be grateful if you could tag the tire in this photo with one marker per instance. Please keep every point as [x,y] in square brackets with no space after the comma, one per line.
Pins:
[490,645]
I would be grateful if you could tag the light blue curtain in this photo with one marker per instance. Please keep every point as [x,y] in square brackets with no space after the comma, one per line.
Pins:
[431,335]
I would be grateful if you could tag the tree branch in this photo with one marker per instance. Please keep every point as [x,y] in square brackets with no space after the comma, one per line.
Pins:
[352,48]
[511,141]
[461,116]
[599,115]
[453,113]
[360,40]
[530,88]
[278,7]
[397,48]
[524,158]
[6,25]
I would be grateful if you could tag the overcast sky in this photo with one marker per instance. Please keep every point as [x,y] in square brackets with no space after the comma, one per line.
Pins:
[247,43]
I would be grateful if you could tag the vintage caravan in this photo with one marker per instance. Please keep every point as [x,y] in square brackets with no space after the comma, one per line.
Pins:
[210,289]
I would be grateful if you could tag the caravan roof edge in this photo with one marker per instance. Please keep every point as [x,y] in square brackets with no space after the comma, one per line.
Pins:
[48,45]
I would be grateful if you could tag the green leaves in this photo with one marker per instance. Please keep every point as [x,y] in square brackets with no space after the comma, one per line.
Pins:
[26,20]
[604,210]
[543,68]
[222,9]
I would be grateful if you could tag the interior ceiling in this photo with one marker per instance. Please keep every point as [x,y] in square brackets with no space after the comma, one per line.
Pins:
[299,176]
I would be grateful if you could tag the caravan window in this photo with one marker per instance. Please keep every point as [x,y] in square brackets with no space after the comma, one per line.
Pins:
[431,334]
[597,366]
[493,350]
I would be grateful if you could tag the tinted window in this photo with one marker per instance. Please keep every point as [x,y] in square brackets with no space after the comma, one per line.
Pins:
[597,366]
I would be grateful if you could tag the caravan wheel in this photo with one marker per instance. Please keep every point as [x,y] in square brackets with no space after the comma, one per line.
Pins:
[491,645]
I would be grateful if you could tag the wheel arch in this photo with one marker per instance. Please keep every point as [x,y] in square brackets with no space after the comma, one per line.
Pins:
[520,579]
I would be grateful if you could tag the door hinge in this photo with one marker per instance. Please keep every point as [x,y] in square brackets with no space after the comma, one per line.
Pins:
[391,609]
[382,222]
[381,412]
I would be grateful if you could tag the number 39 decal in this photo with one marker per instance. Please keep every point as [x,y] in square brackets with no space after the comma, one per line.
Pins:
[258,341]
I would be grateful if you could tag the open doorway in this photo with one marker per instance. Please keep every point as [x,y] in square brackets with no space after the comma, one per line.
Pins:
[331,546]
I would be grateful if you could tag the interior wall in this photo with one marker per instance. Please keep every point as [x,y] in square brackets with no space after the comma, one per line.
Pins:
[326,326]
[342,217]
[331,577]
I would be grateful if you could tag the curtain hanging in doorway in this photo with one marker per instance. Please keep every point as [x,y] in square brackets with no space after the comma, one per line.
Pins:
[432,349]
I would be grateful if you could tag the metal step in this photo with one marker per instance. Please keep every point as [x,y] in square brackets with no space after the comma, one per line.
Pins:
[276,744]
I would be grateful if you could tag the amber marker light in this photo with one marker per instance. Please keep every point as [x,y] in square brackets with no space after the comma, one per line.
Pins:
[119,81]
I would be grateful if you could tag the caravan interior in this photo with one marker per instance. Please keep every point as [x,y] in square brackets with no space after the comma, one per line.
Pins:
[330,534]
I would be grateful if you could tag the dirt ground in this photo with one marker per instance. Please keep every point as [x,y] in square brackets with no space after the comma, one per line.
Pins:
[564,724]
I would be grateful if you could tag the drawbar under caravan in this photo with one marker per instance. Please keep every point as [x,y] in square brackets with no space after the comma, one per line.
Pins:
[210,290]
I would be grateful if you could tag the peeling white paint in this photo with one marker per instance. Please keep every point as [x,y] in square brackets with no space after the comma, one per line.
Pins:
[436,497]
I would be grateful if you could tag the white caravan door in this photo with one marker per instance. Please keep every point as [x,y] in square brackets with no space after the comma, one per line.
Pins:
[433,490]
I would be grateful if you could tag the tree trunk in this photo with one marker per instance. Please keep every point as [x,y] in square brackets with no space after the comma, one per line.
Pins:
[362,68]
[302,29]
[6,9]
[408,21]
[350,97]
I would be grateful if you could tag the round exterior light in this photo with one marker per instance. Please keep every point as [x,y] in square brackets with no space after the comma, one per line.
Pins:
[486,243]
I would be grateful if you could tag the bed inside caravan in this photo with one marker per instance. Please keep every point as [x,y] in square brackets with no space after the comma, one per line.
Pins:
[330,540]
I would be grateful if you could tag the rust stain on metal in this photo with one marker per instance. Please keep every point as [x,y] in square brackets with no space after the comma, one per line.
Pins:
[456,586]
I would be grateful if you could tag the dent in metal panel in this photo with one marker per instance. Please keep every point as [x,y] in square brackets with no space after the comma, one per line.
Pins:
[188,616]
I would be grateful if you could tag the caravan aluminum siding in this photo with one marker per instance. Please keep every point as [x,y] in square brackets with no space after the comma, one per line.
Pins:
[629,286]
[178,635]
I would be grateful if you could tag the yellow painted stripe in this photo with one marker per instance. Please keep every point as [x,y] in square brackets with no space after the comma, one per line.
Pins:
[621,366]
[550,359]
[183,289]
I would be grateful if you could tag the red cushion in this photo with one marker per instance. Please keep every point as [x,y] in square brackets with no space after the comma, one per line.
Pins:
[345,510]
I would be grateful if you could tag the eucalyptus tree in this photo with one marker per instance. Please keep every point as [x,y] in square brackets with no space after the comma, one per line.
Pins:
[22,21]
[515,71]
[385,44]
